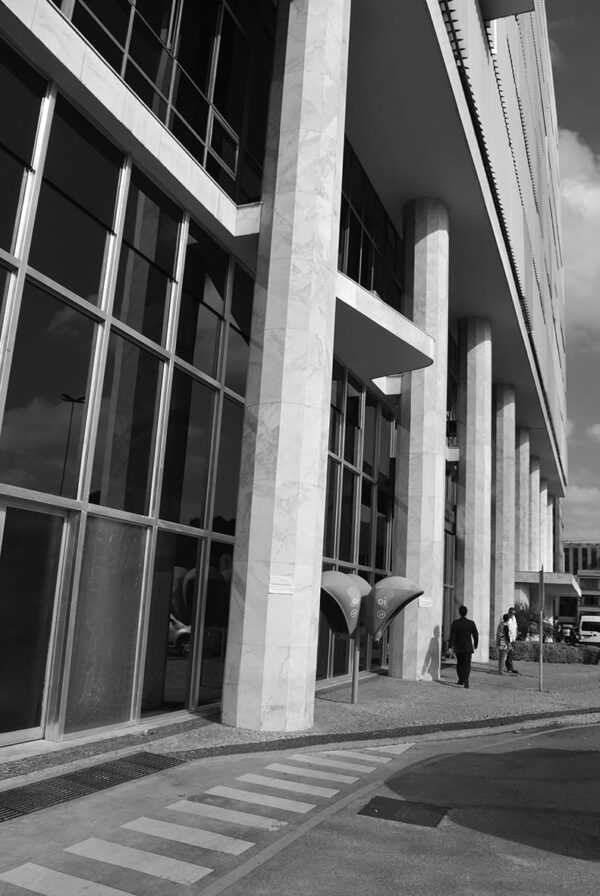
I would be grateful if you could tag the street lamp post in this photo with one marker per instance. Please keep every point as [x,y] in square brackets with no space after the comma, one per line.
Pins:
[72,401]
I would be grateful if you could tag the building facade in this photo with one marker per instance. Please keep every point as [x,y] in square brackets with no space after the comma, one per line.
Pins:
[581,559]
[281,293]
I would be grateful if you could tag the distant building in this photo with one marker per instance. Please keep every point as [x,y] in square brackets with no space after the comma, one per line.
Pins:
[581,559]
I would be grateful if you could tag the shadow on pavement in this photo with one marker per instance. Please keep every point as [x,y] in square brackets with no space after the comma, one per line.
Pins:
[547,799]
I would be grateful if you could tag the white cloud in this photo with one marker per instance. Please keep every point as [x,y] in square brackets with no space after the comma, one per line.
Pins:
[594,432]
[580,205]
[582,513]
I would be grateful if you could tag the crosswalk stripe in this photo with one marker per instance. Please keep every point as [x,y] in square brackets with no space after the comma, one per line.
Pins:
[310,773]
[396,749]
[261,799]
[356,754]
[192,836]
[139,860]
[207,810]
[314,759]
[294,786]
[55,883]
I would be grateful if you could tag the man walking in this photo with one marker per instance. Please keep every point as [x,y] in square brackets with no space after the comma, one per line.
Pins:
[464,639]
[512,632]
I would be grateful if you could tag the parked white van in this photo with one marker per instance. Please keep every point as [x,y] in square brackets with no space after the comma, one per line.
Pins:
[589,629]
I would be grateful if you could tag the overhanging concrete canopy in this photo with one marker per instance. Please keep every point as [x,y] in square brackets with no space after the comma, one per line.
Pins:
[374,340]
[556,584]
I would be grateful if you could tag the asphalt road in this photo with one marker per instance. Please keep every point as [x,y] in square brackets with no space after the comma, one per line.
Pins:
[501,814]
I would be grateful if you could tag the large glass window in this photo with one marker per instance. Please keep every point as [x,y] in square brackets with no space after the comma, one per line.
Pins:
[21,91]
[228,469]
[147,260]
[76,204]
[203,67]
[215,622]
[172,614]
[42,433]
[185,478]
[202,302]
[106,625]
[28,567]
[239,331]
[370,249]
[127,428]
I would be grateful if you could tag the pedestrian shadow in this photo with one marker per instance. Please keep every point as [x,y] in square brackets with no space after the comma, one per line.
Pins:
[431,663]
[517,795]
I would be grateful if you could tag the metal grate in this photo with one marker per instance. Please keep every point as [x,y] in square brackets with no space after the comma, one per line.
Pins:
[404,811]
[43,794]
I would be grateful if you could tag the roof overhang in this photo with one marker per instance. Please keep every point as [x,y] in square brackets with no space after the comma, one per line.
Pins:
[408,121]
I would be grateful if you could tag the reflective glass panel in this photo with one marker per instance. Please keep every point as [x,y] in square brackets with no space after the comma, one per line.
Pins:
[42,432]
[232,73]
[172,613]
[12,178]
[238,346]
[21,90]
[352,431]
[228,469]
[76,204]
[370,432]
[197,38]
[202,302]
[127,428]
[106,625]
[347,520]
[366,524]
[216,619]
[187,456]
[330,506]
[28,567]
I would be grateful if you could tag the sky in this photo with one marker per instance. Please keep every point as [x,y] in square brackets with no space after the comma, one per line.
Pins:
[574,30]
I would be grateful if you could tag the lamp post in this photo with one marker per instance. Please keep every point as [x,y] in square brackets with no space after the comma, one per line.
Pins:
[72,401]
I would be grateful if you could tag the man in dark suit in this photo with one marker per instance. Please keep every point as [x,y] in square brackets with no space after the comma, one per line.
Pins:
[464,639]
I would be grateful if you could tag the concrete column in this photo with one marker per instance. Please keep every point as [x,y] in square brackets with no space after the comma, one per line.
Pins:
[522,499]
[503,504]
[544,524]
[534,514]
[272,639]
[550,533]
[474,505]
[420,482]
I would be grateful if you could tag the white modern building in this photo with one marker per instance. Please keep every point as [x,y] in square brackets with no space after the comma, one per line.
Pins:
[282,293]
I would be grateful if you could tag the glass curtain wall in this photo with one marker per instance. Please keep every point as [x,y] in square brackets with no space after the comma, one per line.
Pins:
[359,505]
[202,66]
[125,331]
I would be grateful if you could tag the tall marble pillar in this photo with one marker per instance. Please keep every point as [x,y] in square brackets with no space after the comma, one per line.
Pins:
[503,503]
[474,499]
[272,640]
[534,514]
[522,499]
[550,534]
[543,511]
[418,550]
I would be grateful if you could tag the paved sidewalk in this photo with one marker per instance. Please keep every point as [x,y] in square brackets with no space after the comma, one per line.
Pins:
[386,709]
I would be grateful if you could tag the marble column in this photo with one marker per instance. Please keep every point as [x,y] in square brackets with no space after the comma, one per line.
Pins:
[272,640]
[544,524]
[534,514]
[550,533]
[418,550]
[474,500]
[522,499]
[503,503]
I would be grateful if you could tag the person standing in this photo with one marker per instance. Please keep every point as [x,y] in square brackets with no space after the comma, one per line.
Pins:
[503,643]
[464,639]
[512,631]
